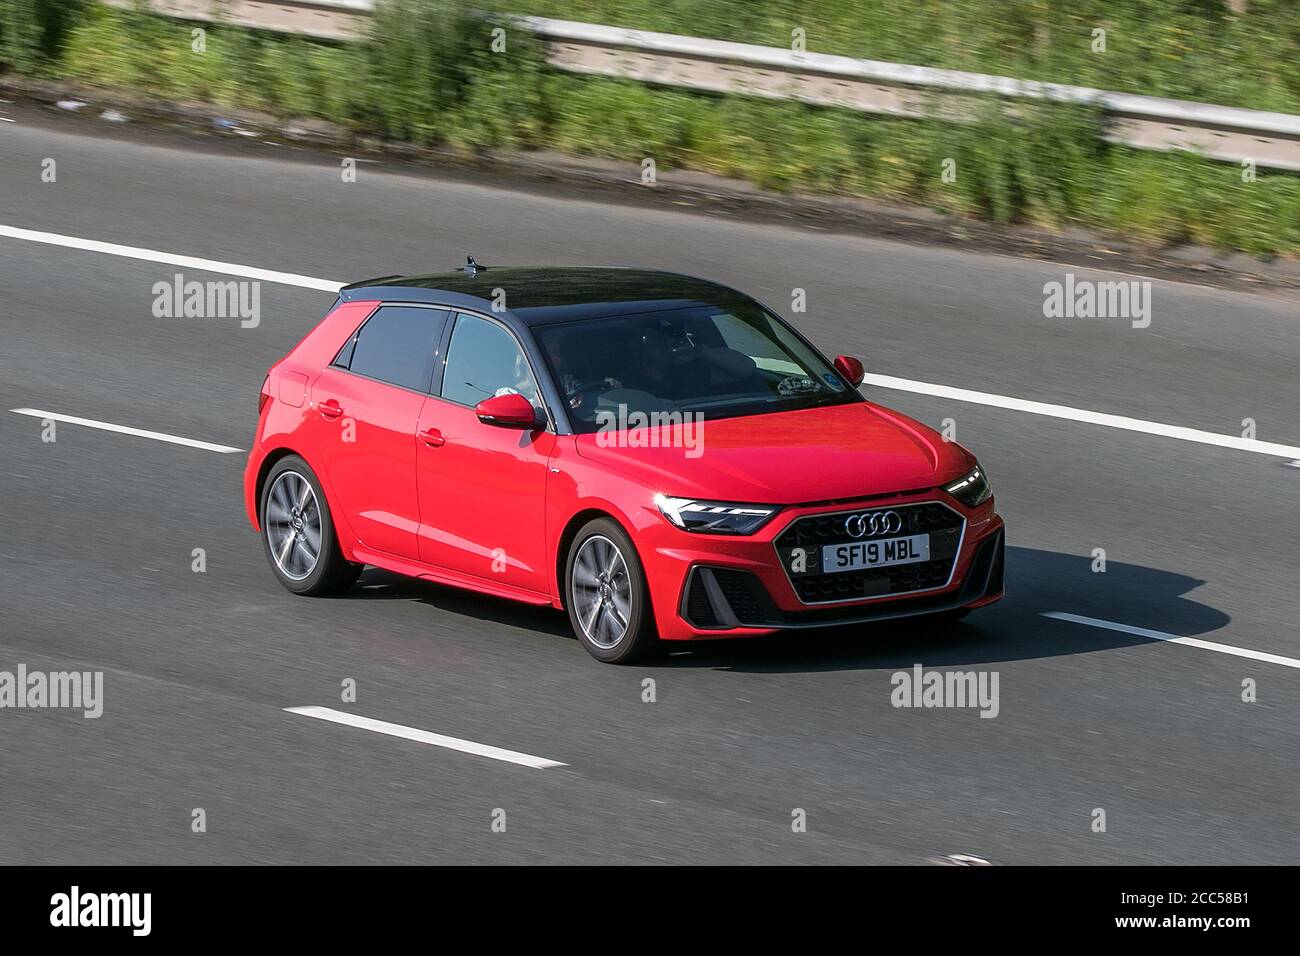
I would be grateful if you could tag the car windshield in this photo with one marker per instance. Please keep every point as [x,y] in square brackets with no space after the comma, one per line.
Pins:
[707,361]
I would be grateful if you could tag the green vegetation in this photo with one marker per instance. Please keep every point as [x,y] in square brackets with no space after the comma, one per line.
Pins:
[427,75]
[1186,49]
[1049,166]
[33,31]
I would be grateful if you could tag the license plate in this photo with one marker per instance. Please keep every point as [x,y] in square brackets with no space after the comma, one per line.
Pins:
[875,554]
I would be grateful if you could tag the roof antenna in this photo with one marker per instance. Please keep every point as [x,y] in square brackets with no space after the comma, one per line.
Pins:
[472,268]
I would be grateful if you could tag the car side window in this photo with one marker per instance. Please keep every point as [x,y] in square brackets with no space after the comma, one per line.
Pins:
[397,345]
[484,360]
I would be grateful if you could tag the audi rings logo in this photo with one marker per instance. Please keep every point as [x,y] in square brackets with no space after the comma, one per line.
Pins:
[873,523]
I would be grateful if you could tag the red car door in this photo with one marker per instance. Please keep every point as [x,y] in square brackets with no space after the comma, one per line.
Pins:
[481,487]
[366,407]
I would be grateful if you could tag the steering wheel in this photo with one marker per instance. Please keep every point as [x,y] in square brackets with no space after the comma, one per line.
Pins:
[577,398]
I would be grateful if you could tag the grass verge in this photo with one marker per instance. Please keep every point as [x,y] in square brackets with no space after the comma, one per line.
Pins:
[428,75]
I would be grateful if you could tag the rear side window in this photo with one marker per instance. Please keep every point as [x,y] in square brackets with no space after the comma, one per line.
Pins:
[397,345]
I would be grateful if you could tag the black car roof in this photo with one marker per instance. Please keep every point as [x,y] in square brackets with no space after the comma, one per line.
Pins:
[539,296]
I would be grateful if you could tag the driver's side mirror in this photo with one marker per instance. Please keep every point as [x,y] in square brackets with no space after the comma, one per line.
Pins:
[850,368]
[511,410]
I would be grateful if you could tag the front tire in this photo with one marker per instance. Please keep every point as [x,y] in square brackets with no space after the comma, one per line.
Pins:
[298,532]
[606,595]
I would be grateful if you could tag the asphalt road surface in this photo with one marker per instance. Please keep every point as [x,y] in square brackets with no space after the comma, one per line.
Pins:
[98,531]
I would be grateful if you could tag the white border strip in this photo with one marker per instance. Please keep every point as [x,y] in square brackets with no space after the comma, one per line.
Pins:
[1082,415]
[425,737]
[126,430]
[1174,639]
[185,262]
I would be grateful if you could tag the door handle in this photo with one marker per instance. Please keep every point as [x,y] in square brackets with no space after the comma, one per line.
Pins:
[330,409]
[433,438]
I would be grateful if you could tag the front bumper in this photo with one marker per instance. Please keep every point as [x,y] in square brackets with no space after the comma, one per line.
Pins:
[707,586]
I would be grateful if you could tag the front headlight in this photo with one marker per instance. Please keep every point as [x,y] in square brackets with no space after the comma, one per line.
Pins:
[972,489]
[714,517]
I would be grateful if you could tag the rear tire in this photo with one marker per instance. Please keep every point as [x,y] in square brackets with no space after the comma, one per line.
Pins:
[298,532]
[606,595]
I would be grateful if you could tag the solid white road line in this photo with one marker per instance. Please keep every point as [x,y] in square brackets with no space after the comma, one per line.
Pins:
[881,381]
[424,737]
[1175,639]
[167,258]
[1091,418]
[125,430]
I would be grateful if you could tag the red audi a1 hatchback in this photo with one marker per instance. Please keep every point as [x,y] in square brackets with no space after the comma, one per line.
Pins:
[659,455]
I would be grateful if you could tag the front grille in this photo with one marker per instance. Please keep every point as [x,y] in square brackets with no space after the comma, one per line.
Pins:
[745,594]
[986,574]
[698,609]
[742,601]
[725,597]
[811,533]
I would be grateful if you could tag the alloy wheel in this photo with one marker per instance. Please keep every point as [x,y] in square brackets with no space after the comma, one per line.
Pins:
[293,525]
[601,592]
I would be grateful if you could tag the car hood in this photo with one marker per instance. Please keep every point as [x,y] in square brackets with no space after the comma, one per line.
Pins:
[819,454]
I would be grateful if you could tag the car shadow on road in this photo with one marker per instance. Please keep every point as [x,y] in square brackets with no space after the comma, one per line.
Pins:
[1014,629]
[1038,581]
[377,584]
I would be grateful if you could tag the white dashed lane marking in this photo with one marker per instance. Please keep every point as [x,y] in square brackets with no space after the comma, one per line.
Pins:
[1174,639]
[126,430]
[167,258]
[425,737]
[1086,417]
